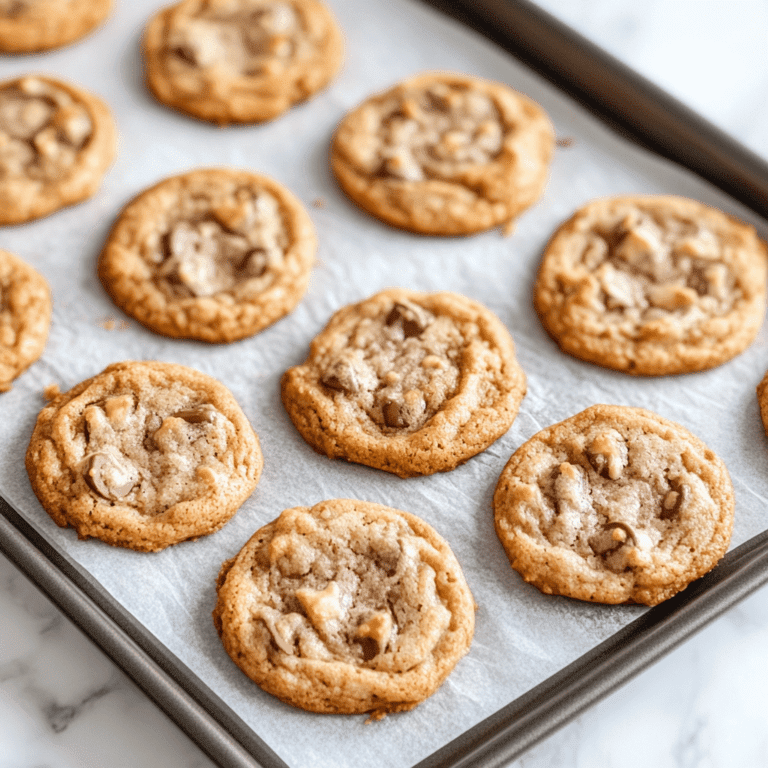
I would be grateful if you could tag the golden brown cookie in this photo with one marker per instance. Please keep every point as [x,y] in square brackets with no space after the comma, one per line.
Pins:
[762,401]
[241,61]
[144,455]
[614,505]
[214,254]
[347,607]
[27,26]
[56,143]
[444,154]
[411,383]
[652,285]
[25,316]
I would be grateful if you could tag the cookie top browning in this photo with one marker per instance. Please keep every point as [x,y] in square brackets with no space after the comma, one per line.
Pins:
[56,143]
[412,383]
[25,317]
[614,505]
[347,607]
[652,285]
[143,455]
[27,26]
[762,401]
[241,61]
[213,254]
[444,154]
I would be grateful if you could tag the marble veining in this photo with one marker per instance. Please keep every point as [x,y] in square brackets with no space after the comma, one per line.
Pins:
[64,704]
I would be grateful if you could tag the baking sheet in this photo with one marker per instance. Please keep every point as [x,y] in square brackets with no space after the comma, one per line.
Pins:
[522,637]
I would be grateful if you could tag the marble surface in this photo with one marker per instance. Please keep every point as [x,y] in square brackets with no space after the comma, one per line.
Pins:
[63,703]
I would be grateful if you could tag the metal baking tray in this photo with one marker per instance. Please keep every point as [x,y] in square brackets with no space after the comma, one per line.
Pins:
[638,109]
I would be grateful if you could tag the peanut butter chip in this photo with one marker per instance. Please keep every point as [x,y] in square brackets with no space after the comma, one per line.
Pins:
[200,414]
[321,606]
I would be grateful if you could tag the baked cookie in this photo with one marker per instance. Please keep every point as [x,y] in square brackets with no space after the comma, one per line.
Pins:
[614,505]
[241,61]
[27,26]
[143,456]
[762,400]
[652,285]
[444,154]
[411,383]
[347,607]
[25,316]
[56,143]
[213,254]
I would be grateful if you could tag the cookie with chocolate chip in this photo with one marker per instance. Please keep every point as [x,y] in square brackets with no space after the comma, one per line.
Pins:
[56,143]
[28,26]
[214,254]
[25,317]
[143,455]
[241,61]
[347,607]
[411,383]
[652,285]
[444,154]
[614,505]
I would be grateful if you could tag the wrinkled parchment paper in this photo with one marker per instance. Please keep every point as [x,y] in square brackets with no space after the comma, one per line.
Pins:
[522,636]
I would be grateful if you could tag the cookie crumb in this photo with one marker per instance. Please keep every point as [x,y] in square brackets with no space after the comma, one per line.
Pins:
[108,323]
[565,142]
[318,202]
[51,391]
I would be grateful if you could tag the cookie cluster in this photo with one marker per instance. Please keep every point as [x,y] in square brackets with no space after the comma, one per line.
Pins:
[351,606]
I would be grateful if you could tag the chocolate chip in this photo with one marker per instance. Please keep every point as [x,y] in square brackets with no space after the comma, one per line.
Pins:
[395,414]
[412,318]
[198,414]
[606,542]
[599,462]
[674,500]
[369,647]
[342,377]
[93,476]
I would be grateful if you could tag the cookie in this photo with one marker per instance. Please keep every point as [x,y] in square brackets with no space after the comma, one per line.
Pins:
[25,316]
[241,61]
[444,154]
[652,285]
[614,505]
[347,607]
[411,383]
[144,455]
[213,254]
[56,143]
[28,26]
[762,401]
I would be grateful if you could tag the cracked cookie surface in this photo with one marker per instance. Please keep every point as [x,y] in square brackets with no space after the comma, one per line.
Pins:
[143,455]
[56,143]
[412,383]
[614,505]
[444,154]
[652,285]
[346,607]
[27,26]
[241,61]
[25,317]
[214,254]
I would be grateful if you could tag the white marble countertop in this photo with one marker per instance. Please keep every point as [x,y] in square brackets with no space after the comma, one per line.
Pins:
[63,703]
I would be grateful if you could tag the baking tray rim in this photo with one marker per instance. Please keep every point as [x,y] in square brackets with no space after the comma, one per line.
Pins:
[637,108]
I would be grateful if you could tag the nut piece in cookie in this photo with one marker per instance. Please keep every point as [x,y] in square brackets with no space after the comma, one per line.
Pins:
[56,143]
[652,285]
[412,383]
[213,254]
[444,154]
[241,61]
[25,317]
[143,456]
[614,505]
[347,607]
[28,26]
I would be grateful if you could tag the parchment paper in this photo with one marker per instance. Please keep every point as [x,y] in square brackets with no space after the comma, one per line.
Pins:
[522,636]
